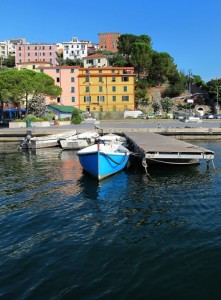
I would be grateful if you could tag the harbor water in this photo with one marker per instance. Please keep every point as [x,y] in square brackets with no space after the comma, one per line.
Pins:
[65,236]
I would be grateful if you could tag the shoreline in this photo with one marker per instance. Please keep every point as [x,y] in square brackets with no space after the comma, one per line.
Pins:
[209,130]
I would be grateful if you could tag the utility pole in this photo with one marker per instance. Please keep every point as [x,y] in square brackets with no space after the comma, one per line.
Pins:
[189,83]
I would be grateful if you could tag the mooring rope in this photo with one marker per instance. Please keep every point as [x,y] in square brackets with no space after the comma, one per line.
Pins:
[114,161]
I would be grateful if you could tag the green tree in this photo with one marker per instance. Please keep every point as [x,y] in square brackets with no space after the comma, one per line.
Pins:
[23,85]
[9,62]
[141,57]
[116,59]
[213,88]
[166,104]
[124,45]
[162,68]
[126,42]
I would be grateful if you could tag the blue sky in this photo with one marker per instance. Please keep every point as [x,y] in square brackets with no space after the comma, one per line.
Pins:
[187,30]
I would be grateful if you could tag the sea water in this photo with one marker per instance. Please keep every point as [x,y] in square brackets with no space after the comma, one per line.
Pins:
[63,235]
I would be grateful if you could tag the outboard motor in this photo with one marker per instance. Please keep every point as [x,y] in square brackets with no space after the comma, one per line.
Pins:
[26,143]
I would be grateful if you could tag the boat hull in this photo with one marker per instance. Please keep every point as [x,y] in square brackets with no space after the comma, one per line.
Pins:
[103,163]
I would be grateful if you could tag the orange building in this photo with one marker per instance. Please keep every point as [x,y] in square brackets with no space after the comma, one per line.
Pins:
[106,89]
[108,41]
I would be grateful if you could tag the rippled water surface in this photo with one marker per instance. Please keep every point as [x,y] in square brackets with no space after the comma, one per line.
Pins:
[65,236]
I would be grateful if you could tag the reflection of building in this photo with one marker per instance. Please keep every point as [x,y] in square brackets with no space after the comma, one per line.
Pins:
[108,41]
[106,89]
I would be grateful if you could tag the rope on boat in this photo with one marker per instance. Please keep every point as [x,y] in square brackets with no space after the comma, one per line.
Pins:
[114,161]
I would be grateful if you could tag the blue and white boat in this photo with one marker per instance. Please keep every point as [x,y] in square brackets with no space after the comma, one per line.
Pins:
[102,160]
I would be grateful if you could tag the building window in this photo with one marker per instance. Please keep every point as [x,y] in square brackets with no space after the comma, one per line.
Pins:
[72,70]
[87,79]
[125,98]
[58,99]
[125,78]
[41,70]
[113,88]
[28,54]
[36,54]
[57,70]
[72,99]
[99,60]
[100,89]
[100,71]
[19,48]
[49,47]
[113,79]
[72,89]
[100,98]
[72,79]
[112,71]
[100,79]
[86,98]
[125,88]
[114,98]
[87,89]
[33,67]
[58,79]
[36,48]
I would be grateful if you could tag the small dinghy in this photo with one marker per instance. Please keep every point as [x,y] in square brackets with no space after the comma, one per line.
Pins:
[102,160]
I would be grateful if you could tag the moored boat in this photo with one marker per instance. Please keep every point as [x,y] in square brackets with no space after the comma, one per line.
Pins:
[47,141]
[110,138]
[79,141]
[102,160]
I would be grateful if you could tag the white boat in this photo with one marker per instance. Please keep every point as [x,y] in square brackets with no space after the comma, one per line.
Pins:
[102,160]
[79,141]
[110,138]
[47,141]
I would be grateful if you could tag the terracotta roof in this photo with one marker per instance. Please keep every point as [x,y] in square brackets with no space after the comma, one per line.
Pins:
[95,55]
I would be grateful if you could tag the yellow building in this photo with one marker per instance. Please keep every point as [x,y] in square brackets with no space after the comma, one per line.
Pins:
[106,89]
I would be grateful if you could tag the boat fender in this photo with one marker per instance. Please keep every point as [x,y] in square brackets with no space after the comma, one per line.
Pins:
[89,141]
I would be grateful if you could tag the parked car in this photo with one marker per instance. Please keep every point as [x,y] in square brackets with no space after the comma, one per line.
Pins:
[208,116]
[143,116]
[217,116]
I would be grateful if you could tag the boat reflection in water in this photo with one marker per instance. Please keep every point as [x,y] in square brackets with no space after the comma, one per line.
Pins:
[105,200]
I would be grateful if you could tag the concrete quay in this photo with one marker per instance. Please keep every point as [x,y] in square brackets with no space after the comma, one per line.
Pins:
[210,129]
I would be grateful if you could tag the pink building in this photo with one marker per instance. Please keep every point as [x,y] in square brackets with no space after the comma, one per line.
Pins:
[36,52]
[67,78]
